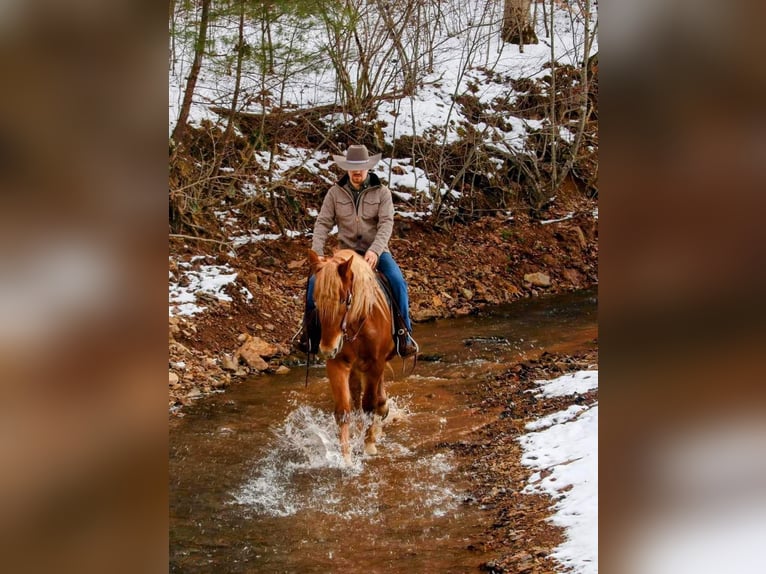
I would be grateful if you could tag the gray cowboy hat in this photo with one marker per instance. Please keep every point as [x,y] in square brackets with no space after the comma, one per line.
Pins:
[357,159]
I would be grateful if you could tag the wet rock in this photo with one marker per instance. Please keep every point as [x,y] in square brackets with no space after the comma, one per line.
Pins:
[538,279]
[421,315]
[252,359]
[220,383]
[228,363]
[282,370]
[173,379]
[486,341]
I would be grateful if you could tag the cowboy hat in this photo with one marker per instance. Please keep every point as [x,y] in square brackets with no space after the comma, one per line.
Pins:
[357,159]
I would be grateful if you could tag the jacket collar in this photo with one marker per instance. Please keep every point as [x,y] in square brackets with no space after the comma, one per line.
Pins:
[372,179]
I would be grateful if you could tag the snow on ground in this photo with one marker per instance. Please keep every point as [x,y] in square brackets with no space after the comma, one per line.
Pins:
[467,46]
[468,56]
[563,447]
[209,280]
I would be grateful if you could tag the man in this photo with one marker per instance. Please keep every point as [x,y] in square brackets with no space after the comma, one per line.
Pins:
[363,210]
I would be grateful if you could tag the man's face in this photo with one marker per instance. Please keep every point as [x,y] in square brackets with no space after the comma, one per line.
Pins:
[357,177]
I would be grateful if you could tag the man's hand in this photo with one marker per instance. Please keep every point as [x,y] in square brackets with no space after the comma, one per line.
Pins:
[371,258]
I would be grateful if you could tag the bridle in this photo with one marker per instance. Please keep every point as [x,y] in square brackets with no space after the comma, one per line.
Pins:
[344,323]
[345,312]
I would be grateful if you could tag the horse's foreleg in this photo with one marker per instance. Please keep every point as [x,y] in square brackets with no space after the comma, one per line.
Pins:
[375,401]
[338,373]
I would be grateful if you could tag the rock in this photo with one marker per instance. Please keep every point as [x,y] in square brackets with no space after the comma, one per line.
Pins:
[219,383]
[421,315]
[467,293]
[573,276]
[193,393]
[257,346]
[252,359]
[282,370]
[539,279]
[581,237]
[176,347]
[172,378]
[242,337]
[549,260]
[228,363]
[283,349]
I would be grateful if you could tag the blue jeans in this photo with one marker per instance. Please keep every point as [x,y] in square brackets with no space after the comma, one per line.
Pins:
[390,269]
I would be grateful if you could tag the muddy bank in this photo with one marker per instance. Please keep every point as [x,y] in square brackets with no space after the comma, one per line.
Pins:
[450,271]
[519,535]
[462,413]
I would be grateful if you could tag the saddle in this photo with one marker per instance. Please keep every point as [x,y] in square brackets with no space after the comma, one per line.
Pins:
[399,330]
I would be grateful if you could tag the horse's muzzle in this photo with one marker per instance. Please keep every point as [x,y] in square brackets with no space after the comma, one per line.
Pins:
[324,353]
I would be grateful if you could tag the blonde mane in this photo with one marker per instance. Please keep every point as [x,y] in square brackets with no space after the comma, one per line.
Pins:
[366,294]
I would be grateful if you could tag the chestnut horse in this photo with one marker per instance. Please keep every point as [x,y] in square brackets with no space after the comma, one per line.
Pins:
[356,339]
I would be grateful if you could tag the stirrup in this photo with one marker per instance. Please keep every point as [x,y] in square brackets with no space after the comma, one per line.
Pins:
[298,343]
[399,334]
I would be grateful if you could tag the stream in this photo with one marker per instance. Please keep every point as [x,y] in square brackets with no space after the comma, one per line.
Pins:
[257,480]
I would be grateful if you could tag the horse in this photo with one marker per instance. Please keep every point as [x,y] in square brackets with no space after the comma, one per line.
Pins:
[356,341]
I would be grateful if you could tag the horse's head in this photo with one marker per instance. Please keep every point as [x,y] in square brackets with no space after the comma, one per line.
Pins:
[332,297]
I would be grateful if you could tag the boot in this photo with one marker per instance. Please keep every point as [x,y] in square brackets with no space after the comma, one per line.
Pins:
[310,333]
[405,344]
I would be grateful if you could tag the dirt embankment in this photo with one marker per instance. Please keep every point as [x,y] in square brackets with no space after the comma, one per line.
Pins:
[520,536]
[450,271]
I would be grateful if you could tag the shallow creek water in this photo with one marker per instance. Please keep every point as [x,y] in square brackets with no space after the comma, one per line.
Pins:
[257,481]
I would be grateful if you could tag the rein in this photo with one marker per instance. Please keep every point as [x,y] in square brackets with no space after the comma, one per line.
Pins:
[308,353]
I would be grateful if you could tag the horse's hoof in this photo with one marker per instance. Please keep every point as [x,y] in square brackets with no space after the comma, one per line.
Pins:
[370,448]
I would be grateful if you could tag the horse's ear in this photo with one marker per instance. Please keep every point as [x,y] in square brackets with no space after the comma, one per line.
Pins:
[343,268]
[314,261]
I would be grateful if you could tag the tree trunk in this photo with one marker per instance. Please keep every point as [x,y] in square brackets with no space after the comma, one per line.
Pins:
[554,126]
[517,23]
[191,82]
[172,18]
[408,66]
[237,82]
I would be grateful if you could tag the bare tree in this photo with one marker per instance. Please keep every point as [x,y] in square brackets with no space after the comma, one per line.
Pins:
[191,82]
[518,27]
[240,49]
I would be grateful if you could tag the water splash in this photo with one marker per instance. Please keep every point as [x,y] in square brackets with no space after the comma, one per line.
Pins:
[304,470]
[304,449]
